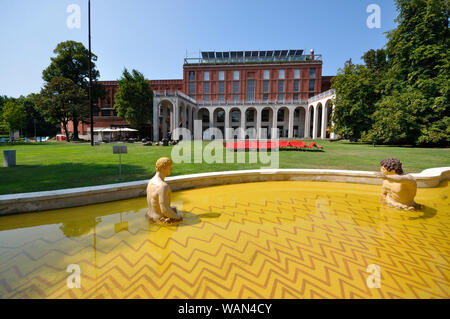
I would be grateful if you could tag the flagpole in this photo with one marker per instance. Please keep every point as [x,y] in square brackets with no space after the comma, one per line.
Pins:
[90,75]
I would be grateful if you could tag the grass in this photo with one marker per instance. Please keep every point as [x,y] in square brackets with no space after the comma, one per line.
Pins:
[48,166]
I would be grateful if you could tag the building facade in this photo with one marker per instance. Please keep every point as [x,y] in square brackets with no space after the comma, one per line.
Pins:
[243,94]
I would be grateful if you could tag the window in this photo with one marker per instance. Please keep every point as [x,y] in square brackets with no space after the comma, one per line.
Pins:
[191,76]
[280,86]
[250,115]
[280,116]
[221,87]
[296,85]
[106,113]
[265,97]
[236,98]
[221,98]
[205,91]
[281,74]
[310,94]
[221,75]
[205,116]
[220,116]
[311,85]
[250,90]
[312,73]
[265,115]
[296,74]
[235,87]
[235,116]
[266,86]
[191,82]
[236,75]
[295,96]
[266,75]
[280,97]
[206,76]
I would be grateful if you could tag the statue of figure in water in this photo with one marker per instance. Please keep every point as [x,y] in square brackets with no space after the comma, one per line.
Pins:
[399,189]
[158,196]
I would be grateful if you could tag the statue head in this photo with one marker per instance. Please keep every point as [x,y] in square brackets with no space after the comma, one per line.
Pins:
[164,166]
[390,166]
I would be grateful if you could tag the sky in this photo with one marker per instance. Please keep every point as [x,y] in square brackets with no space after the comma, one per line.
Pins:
[154,37]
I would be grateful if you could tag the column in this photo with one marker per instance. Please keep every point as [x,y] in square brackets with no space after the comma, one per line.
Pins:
[291,123]
[258,123]
[176,112]
[183,116]
[323,134]
[242,124]
[191,120]
[211,117]
[307,122]
[332,134]
[274,129]
[155,121]
[227,124]
[314,135]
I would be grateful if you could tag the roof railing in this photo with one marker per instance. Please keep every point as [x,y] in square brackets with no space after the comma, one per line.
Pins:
[251,59]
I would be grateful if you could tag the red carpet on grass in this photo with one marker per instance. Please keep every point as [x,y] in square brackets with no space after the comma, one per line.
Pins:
[268,145]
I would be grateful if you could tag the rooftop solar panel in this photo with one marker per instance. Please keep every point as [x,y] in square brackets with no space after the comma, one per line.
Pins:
[204,55]
[299,52]
[240,54]
[226,54]
[219,55]
[269,53]
[248,53]
[277,53]
[233,54]
[283,52]
[255,53]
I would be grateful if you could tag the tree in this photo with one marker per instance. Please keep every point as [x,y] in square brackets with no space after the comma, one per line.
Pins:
[134,100]
[72,62]
[356,96]
[412,87]
[36,123]
[13,117]
[59,100]
[418,51]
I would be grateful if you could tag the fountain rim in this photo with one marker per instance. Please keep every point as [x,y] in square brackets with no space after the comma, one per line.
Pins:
[81,196]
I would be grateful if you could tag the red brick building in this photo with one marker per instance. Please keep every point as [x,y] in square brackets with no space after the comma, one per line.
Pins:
[280,79]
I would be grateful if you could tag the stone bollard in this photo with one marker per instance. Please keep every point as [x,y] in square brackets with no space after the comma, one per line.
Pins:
[9,158]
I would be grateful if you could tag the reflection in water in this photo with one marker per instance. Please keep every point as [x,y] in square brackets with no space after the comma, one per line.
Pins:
[79,227]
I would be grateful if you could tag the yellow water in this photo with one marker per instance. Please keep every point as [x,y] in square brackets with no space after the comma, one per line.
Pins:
[257,240]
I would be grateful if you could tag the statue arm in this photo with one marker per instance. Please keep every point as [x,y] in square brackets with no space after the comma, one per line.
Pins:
[164,203]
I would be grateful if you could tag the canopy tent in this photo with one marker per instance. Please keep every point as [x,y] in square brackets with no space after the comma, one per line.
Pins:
[103,134]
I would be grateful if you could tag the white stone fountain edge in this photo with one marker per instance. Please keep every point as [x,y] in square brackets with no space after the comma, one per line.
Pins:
[81,196]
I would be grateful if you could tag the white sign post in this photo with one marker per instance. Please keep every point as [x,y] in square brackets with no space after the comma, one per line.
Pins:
[120,149]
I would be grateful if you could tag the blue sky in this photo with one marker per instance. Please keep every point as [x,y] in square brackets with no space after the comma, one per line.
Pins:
[153,36]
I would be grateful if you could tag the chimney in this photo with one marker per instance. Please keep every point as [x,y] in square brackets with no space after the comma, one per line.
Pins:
[312,54]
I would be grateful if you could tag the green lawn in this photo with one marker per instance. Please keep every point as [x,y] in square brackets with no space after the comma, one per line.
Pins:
[48,166]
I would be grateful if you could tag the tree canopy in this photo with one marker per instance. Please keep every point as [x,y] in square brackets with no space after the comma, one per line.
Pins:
[72,62]
[134,99]
[59,100]
[410,104]
[13,116]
